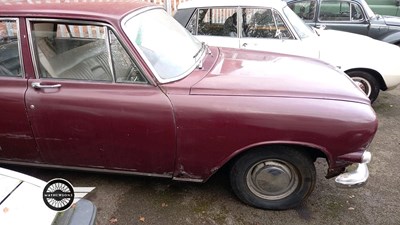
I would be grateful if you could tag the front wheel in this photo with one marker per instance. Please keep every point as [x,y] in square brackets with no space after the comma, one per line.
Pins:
[366,82]
[278,178]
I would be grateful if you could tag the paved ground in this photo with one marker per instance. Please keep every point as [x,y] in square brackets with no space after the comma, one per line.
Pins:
[137,200]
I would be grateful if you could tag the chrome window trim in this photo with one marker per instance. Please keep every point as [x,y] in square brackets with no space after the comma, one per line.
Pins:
[21,59]
[88,169]
[196,26]
[130,55]
[284,19]
[236,8]
[30,21]
[141,53]
[343,21]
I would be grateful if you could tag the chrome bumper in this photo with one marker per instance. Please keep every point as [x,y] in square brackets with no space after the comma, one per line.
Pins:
[355,178]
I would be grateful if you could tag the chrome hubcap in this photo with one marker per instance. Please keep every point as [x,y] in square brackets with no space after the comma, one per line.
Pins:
[363,84]
[272,180]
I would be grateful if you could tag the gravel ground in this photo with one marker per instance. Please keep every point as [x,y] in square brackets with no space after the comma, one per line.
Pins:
[141,200]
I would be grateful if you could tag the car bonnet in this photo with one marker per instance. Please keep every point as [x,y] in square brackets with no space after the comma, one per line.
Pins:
[253,73]
[392,20]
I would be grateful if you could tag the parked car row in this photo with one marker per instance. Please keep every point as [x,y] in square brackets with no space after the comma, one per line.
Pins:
[122,87]
[353,16]
[273,26]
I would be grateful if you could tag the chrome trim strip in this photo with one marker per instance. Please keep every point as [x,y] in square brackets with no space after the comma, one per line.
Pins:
[188,179]
[86,169]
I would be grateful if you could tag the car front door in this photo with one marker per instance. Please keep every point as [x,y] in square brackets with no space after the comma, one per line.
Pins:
[265,29]
[91,105]
[16,138]
[343,15]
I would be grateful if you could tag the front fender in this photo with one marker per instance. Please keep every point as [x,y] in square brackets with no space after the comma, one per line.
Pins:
[392,37]
[215,129]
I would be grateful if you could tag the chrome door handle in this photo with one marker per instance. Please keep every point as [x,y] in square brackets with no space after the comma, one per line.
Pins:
[37,85]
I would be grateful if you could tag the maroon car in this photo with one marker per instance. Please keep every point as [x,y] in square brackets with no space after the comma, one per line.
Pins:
[122,87]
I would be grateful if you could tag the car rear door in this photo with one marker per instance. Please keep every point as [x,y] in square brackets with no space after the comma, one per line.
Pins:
[16,138]
[88,112]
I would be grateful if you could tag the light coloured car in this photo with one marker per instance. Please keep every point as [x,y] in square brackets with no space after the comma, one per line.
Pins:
[21,202]
[272,26]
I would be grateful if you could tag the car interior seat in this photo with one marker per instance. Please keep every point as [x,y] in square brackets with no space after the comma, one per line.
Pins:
[230,26]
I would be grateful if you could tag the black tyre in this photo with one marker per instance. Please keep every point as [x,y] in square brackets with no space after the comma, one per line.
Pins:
[367,83]
[274,178]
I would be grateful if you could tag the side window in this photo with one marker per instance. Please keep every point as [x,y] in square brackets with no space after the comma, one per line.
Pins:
[264,23]
[191,26]
[71,51]
[282,29]
[334,11]
[304,9]
[10,63]
[125,69]
[217,22]
[356,12]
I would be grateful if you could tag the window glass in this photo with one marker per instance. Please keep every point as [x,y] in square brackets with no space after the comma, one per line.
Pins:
[71,51]
[10,64]
[191,26]
[282,28]
[218,22]
[304,9]
[171,51]
[334,11]
[264,23]
[356,13]
[302,30]
[125,69]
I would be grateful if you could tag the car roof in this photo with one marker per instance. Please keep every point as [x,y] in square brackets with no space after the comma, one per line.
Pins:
[96,9]
[230,3]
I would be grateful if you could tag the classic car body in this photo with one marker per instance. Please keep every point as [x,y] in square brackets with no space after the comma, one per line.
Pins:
[95,87]
[272,26]
[353,16]
[21,202]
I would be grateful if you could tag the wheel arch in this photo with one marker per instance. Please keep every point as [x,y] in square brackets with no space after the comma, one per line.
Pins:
[392,37]
[376,74]
[310,150]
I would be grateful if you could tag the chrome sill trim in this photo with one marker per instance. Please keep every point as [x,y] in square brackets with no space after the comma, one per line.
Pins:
[188,179]
[76,168]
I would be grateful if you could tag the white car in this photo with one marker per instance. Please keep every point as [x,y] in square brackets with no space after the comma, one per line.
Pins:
[270,25]
[21,202]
